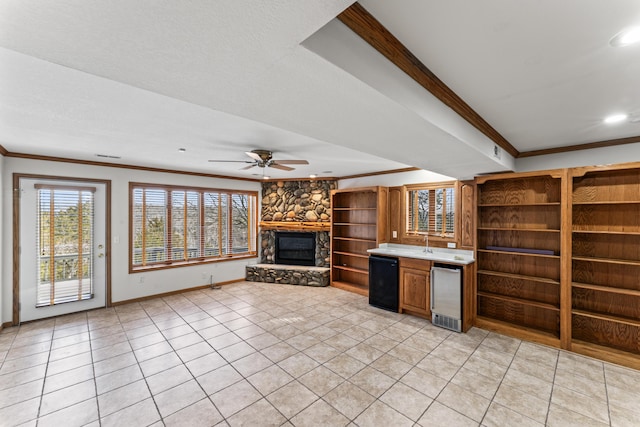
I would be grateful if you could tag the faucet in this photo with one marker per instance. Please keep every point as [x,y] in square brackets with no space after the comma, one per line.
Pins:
[427,249]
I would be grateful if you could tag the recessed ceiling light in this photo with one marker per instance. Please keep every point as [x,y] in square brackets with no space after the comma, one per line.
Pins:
[626,37]
[265,177]
[313,175]
[181,150]
[615,118]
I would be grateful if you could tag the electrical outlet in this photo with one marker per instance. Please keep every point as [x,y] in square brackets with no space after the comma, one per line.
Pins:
[451,245]
[394,233]
[141,279]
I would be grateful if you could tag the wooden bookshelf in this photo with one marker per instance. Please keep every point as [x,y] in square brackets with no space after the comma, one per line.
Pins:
[359,222]
[605,266]
[519,254]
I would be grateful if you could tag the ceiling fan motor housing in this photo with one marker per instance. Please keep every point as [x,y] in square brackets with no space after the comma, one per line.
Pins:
[265,157]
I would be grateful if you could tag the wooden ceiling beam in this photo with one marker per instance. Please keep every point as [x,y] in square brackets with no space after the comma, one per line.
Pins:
[373,32]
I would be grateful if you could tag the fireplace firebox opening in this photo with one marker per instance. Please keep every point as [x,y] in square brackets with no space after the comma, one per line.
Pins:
[295,248]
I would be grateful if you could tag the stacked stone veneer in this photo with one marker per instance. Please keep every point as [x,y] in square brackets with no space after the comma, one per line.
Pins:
[288,274]
[297,201]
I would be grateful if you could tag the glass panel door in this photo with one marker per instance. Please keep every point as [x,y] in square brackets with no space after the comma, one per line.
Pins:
[62,247]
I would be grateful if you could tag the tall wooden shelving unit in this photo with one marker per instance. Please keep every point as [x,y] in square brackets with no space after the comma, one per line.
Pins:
[605,270]
[358,222]
[519,240]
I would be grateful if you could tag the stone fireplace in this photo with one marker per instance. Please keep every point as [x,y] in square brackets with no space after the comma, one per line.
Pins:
[296,206]
[296,209]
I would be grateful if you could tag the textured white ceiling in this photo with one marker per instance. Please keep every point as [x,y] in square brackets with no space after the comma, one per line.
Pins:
[541,72]
[56,111]
[140,79]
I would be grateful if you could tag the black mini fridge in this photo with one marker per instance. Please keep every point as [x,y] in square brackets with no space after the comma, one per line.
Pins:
[383,282]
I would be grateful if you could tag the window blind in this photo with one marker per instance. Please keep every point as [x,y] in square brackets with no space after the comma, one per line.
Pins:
[431,211]
[172,225]
[64,240]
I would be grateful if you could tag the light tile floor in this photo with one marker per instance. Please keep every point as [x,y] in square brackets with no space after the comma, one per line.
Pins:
[262,354]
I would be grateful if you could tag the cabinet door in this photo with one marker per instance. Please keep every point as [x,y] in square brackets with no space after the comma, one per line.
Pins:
[414,289]
[395,214]
[467,216]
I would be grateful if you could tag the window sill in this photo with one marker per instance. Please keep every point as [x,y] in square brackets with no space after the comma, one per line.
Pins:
[179,264]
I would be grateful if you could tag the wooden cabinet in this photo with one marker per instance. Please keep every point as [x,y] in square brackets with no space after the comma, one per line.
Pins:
[415,290]
[467,215]
[415,287]
[358,223]
[605,262]
[395,214]
[519,254]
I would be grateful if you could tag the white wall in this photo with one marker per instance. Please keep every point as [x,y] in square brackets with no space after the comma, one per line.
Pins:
[394,179]
[596,156]
[444,133]
[124,286]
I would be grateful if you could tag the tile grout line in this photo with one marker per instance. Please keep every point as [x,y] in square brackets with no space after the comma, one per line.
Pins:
[153,398]
[553,386]
[606,393]
[501,381]
[138,364]
[448,381]
[93,369]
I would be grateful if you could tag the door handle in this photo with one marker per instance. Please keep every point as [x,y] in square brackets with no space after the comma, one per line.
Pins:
[431,291]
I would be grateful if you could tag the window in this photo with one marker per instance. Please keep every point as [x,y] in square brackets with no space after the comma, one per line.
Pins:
[431,210]
[176,225]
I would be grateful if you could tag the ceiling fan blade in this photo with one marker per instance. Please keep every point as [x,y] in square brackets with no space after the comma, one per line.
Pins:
[253,155]
[290,162]
[249,167]
[281,167]
[231,161]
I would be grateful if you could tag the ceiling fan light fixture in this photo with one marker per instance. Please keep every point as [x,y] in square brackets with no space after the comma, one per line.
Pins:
[615,118]
[626,37]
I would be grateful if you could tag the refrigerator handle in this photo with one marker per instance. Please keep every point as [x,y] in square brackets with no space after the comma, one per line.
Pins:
[431,293]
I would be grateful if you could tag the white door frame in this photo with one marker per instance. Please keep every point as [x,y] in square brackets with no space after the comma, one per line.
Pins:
[16,234]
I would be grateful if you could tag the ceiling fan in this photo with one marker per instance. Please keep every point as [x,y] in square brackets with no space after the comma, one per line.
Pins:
[263,159]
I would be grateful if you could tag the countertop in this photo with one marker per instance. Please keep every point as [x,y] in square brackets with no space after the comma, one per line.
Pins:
[449,256]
